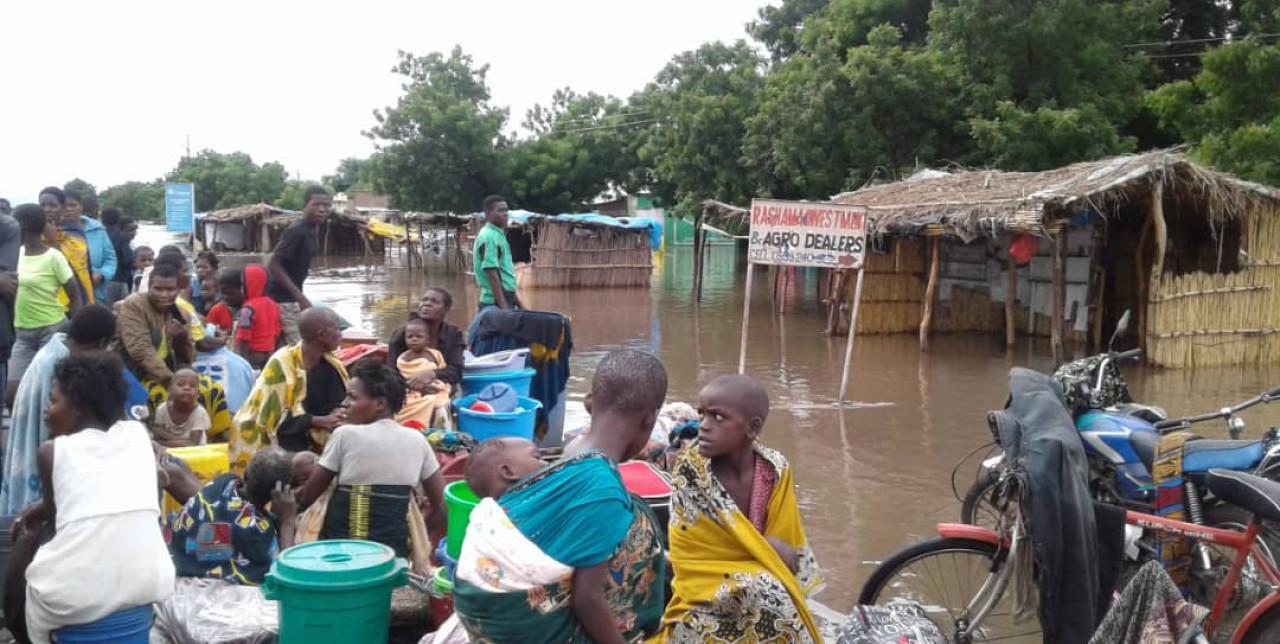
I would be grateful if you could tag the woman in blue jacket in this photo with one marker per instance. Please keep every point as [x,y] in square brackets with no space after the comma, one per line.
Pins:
[102,255]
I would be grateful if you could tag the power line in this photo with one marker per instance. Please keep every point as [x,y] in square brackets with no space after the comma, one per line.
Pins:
[1165,43]
[605,127]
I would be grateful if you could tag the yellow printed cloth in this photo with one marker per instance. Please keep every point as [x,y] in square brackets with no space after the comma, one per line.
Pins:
[730,585]
[278,393]
[75,248]
[423,407]
[1173,551]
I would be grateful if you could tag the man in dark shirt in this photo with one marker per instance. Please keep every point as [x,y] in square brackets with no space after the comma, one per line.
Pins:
[291,261]
[121,231]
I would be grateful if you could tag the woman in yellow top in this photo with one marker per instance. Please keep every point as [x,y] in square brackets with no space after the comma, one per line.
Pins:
[74,245]
[743,567]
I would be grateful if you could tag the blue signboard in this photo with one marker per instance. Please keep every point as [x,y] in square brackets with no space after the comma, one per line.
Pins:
[179,206]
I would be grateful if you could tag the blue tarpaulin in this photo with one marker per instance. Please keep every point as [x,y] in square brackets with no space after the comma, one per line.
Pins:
[654,226]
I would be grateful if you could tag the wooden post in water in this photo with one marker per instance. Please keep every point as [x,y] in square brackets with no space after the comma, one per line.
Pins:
[1059,294]
[930,292]
[1140,268]
[1011,304]
[698,240]
[1157,262]
[746,315]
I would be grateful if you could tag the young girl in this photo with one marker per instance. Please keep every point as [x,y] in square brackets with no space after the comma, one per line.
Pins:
[181,421]
[99,482]
[42,273]
[143,258]
[419,358]
[743,567]
[204,292]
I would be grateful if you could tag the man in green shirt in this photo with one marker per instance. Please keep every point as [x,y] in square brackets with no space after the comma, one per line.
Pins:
[495,273]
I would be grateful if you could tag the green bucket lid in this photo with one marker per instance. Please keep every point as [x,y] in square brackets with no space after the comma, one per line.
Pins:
[337,565]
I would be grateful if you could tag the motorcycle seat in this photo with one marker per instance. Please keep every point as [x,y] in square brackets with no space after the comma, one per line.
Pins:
[1145,444]
[1205,455]
[1253,493]
[1149,413]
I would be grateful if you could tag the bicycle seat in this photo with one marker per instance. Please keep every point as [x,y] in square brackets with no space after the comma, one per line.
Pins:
[1253,493]
[1205,455]
[1145,444]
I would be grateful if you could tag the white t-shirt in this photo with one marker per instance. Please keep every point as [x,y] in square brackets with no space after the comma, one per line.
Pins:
[380,453]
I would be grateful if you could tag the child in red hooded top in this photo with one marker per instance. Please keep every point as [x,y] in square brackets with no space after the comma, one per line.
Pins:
[258,322]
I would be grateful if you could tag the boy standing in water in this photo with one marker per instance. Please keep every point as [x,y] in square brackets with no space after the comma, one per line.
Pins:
[736,539]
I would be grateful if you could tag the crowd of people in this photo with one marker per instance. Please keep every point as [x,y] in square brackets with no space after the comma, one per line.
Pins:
[114,362]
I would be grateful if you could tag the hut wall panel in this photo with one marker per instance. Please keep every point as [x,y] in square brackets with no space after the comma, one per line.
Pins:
[1203,319]
[568,255]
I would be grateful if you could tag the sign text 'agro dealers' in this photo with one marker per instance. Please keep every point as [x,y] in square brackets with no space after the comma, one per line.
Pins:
[792,233]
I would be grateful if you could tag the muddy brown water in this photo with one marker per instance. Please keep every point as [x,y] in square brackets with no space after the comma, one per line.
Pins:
[870,479]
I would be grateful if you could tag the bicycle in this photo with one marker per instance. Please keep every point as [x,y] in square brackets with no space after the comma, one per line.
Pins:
[984,614]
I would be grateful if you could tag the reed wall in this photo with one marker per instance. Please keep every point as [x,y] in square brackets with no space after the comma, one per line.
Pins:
[1203,319]
[571,255]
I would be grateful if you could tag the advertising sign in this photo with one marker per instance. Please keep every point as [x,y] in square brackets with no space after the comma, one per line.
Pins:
[179,207]
[795,233]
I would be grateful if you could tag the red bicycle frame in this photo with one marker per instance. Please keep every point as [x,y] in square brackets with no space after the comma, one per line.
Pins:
[1244,543]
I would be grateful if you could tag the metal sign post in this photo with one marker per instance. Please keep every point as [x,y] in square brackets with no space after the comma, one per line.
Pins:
[798,233]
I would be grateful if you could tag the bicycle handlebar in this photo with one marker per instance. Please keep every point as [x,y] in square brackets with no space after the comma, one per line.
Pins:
[1131,354]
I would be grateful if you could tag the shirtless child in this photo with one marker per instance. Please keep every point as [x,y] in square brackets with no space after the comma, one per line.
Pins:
[735,522]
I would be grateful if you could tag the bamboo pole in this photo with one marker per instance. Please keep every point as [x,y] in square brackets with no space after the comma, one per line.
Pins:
[1059,294]
[746,315]
[1161,232]
[930,292]
[698,240]
[1011,304]
[1140,269]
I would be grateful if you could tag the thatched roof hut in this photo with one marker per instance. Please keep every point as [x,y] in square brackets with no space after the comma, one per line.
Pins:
[256,228]
[1196,252]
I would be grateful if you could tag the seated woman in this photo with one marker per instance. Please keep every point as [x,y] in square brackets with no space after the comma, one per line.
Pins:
[743,568]
[428,407]
[378,464]
[576,521]
[251,536]
[99,475]
[155,338]
[441,336]
[92,329]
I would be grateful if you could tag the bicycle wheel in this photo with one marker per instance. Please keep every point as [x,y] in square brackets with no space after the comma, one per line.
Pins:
[946,577]
[981,506]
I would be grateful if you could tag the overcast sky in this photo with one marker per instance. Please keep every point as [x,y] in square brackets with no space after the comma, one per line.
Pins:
[109,91]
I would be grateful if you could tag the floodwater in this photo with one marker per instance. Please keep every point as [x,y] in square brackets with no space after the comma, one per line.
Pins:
[870,478]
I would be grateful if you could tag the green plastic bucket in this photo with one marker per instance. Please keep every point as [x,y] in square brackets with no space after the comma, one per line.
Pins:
[460,502]
[336,592]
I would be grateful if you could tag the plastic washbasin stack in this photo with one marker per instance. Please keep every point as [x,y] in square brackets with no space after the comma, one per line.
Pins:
[495,402]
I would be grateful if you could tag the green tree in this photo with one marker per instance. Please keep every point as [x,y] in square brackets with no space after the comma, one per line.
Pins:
[583,146]
[845,24]
[352,174]
[229,180]
[778,27]
[81,186]
[826,126]
[1230,111]
[137,199]
[701,102]
[437,147]
[1033,68]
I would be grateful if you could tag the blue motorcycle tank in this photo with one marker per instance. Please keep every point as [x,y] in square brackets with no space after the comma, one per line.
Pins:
[1106,434]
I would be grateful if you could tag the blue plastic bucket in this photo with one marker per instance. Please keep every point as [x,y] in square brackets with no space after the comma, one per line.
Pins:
[132,626]
[518,380]
[482,426]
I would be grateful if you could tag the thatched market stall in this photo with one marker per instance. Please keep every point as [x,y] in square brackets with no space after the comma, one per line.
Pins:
[1194,253]
[257,228]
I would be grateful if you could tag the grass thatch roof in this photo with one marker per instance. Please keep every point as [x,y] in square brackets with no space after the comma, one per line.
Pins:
[242,213]
[972,203]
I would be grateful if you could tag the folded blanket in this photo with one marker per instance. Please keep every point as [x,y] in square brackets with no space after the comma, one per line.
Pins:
[497,558]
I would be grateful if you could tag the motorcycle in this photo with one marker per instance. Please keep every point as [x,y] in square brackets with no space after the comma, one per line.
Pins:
[1120,439]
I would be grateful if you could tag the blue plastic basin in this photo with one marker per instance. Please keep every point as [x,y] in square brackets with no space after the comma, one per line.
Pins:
[517,380]
[482,426]
[130,626]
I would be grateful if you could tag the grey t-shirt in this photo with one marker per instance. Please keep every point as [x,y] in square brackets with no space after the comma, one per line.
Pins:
[380,453]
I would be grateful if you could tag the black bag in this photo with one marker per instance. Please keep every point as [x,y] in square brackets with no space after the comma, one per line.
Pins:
[892,624]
